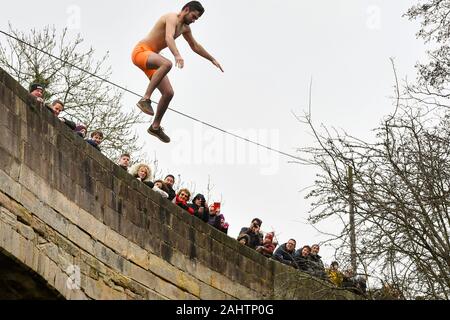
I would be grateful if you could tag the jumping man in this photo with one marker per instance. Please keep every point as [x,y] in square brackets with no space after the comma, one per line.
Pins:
[146,56]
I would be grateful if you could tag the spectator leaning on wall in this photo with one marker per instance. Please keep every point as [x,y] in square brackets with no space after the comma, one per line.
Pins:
[285,253]
[56,107]
[96,139]
[37,91]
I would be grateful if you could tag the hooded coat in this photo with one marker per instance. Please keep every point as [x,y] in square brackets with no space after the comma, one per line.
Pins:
[134,172]
[203,216]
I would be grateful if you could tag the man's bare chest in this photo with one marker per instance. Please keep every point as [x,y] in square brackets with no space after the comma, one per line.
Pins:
[180,28]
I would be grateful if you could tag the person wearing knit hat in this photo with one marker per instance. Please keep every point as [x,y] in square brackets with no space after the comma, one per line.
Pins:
[200,207]
[37,91]
[36,86]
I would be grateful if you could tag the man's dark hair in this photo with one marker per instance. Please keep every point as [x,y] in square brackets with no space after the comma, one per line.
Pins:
[164,186]
[257,221]
[97,133]
[125,155]
[54,103]
[194,6]
[292,240]
[169,175]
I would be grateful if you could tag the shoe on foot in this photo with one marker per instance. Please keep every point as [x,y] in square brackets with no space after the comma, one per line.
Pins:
[146,106]
[159,133]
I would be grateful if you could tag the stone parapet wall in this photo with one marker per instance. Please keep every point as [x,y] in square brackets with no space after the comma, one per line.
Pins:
[63,205]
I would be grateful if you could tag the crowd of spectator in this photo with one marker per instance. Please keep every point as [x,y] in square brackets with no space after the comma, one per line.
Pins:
[306,258]
[37,91]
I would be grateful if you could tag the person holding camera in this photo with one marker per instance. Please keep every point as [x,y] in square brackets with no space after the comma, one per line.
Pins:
[216,219]
[251,237]
[200,207]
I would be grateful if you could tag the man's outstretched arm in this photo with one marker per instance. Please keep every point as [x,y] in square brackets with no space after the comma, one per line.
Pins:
[197,48]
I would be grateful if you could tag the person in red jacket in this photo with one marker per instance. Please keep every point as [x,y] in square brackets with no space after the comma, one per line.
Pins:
[181,200]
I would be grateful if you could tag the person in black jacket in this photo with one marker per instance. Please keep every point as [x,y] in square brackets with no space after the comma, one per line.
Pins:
[251,237]
[124,161]
[302,259]
[316,263]
[285,253]
[200,207]
[170,181]
[37,91]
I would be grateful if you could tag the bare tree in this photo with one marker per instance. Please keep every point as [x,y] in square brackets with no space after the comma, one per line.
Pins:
[434,74]
[88,100]
[401,196]
[401,182]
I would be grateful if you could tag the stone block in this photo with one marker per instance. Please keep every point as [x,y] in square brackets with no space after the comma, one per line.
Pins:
[5,160]
[85,261]
[8,141]
[7,237]
[61,283]
[138,255]
[170,291]
[210,293]
[111,218]
[35,258]
[77,295]
[26,231]
[9,186]
[50,250]
[116,242]
[153,245]
[80,238]
[16,246]
[142,276]
[98,290]
[43,266]
[65,260]
[109,257]
[7,216]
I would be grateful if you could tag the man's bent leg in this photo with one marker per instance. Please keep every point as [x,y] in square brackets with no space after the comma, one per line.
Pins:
[156,67]
[163,66]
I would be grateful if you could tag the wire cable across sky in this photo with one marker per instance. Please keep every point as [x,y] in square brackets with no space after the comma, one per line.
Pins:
[138,95]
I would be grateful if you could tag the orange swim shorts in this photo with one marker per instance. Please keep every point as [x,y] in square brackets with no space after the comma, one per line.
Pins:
[140,56]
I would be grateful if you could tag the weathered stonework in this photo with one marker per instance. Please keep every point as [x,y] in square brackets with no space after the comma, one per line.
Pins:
[91,231]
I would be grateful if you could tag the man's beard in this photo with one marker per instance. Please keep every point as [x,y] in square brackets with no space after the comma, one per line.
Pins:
[186,21]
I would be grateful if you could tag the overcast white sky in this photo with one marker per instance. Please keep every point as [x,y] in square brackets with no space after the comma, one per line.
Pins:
[269,49]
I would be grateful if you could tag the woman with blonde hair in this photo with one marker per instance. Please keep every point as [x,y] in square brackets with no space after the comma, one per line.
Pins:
[143,173]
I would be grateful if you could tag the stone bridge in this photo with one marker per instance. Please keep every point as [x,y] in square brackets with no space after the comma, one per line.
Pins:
[73,225]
